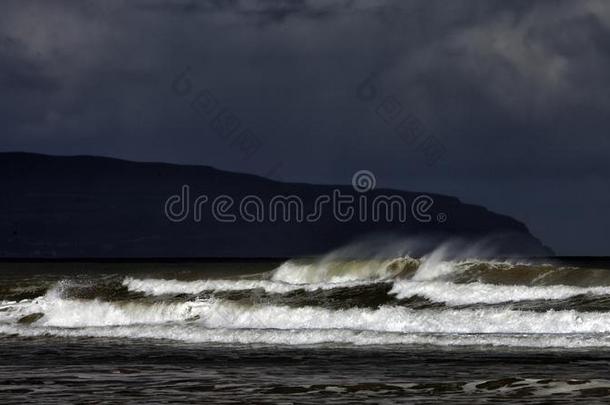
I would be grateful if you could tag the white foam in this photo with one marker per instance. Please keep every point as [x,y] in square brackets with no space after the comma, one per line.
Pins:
[82,313]
[433,266]
[225,322]
[163,287]
[220,314]
[325,274]
[472,293]
[195,334]
[331,271]
[221,321]
[437,291]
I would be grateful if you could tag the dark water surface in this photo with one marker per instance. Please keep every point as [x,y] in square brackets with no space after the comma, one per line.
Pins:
[314,331]
[94,370]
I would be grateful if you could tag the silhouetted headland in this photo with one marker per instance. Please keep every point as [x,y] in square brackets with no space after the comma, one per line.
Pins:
[86,206]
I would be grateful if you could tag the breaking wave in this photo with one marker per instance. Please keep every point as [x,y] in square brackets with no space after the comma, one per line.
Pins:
[431,300]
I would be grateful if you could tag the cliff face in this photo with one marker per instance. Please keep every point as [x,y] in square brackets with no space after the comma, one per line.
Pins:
[84,206]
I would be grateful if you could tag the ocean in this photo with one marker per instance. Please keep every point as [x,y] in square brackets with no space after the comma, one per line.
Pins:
[377,330]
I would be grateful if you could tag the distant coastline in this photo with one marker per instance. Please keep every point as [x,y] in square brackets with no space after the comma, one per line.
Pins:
[85,206]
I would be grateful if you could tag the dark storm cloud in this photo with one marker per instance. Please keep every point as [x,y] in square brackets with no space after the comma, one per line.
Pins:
[515,91]
[269,10]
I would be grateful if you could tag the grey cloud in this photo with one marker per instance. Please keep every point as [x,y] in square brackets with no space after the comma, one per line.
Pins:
[516,91]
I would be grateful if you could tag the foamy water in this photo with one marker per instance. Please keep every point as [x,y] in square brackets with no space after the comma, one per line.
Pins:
[386,302]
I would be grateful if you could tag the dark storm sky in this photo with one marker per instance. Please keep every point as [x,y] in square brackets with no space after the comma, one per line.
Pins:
[517,93]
